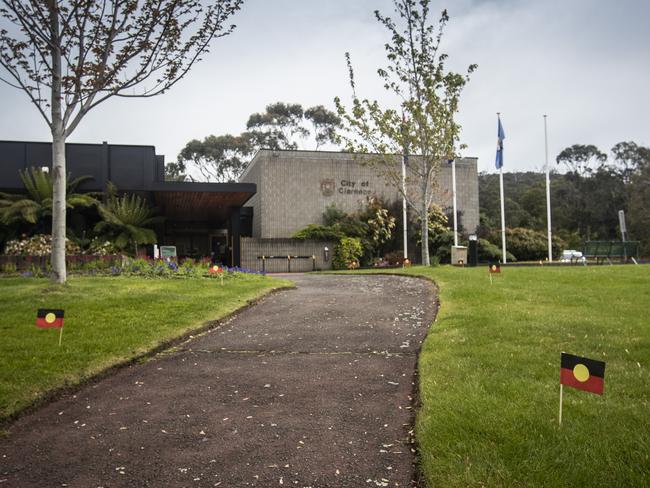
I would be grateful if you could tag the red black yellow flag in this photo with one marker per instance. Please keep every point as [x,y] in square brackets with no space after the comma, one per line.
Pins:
[582,373]
[47,318]
[495,267]
[215,269]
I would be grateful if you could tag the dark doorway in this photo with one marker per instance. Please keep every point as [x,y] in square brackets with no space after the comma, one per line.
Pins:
[219,249]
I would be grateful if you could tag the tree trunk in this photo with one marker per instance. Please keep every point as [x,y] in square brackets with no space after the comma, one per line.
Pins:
[425,233]
[58,208]
[58,156]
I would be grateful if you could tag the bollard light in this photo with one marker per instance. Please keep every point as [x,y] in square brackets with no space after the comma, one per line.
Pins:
[326,254]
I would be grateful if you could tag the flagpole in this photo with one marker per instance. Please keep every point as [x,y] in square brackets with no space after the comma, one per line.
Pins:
[453,190]
[503,213]
[561,394]
[60,335]
[548,197]
[404,213]
[503,216]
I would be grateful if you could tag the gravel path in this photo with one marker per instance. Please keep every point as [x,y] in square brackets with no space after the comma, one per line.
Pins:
[309,388]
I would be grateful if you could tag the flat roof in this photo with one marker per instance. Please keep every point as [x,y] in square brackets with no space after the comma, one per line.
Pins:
[189,202]
[319,155]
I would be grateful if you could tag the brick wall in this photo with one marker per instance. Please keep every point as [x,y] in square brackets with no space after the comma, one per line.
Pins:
[252,247]
[295,187]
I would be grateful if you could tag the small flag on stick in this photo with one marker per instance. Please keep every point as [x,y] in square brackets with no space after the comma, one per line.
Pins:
[218,270]
[493,267]
[47,318]
[581,373]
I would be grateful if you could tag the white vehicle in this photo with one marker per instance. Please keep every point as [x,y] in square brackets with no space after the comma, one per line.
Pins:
[571,255]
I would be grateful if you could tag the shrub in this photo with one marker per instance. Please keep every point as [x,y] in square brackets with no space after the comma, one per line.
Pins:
[9,268]
[394,258]
[527,244]
[102,247]
[319,233]
[347,253]
[490,252]
[373,226]
[440,245]
[38,245]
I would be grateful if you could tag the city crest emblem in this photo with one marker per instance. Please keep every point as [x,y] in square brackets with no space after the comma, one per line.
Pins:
[327,187]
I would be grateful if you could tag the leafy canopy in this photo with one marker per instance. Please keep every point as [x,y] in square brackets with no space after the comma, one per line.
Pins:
[217,158]
[36,205]
[582,159]
[282,126]
[423,121]
[127,220]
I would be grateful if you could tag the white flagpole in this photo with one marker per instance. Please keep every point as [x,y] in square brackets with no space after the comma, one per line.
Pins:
[561,395]
[453,190]
[503,216]
[548,195]
[404,213]
[503,213]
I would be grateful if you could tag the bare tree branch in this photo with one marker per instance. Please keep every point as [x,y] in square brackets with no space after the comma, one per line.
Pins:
[87,51]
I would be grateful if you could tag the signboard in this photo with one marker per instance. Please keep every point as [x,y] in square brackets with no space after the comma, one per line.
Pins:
[167,252]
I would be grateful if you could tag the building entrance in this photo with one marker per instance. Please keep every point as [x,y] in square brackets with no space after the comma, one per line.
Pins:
[219,250]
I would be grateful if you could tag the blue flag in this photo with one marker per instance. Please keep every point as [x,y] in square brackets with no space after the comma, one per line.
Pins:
[500,137]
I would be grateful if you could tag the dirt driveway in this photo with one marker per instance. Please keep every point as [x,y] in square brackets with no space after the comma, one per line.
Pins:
[309,388]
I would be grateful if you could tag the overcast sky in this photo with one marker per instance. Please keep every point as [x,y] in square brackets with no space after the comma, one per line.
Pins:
[585,63]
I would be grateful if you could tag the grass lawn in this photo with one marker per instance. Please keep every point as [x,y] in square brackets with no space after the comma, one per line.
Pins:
[108,320]
[489,378]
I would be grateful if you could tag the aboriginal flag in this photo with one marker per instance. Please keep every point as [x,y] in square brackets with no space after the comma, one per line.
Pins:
[582,373]
[48,317]
[495,267]
[214,269]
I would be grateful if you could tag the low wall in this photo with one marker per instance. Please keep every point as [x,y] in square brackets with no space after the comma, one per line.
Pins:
[252,248]
[18,263]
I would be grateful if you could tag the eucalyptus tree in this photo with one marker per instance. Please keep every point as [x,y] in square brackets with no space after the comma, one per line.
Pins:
[629,159]
[217,158]
[582,159]
[422,123]
[325,124]
[68,56]
[280,127]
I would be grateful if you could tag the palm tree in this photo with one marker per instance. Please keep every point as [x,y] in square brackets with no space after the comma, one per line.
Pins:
[36,206]
[126,220]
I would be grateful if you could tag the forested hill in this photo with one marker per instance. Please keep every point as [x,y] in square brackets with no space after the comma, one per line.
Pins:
[583,208]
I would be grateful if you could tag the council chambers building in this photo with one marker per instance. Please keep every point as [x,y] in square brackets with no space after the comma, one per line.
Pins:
[295,187]
[279,194]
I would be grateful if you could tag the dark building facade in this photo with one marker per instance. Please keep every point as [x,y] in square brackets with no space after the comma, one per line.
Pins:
[200,218]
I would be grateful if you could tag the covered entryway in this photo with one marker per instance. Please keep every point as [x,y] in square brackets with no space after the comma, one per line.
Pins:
[203,219]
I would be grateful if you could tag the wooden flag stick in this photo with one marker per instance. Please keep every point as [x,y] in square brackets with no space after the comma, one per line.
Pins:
[560,417]
[490,277]
[60,335]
